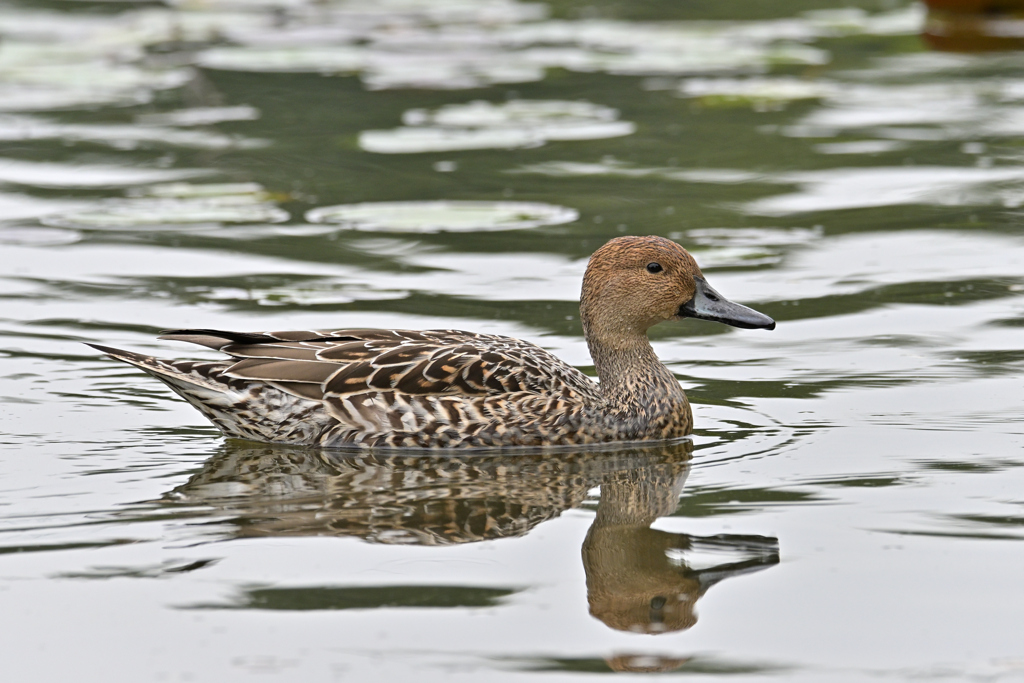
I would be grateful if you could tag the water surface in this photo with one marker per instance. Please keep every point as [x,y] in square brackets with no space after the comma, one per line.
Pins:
[850,508]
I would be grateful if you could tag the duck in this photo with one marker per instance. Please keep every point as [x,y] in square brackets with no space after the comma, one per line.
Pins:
[451,389]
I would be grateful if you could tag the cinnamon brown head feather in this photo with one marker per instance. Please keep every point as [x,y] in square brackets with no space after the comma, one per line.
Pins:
[634,283]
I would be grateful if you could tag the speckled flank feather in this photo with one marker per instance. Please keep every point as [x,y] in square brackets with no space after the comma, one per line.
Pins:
[385,388]
[441,388]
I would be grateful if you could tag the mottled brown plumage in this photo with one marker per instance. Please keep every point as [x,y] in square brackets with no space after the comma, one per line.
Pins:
[454,389]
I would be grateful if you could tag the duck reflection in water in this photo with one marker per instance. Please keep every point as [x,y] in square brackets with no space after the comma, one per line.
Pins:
[638,578]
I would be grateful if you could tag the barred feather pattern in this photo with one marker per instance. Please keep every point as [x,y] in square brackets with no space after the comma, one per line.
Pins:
[397,388]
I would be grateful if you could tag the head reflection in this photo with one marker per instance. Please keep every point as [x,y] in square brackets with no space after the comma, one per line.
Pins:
[639,579]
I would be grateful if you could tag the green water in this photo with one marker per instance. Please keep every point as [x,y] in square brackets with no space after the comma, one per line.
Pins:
[850,508]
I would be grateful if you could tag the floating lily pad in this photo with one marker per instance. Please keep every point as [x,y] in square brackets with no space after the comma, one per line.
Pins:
[693,55]
[443,216]
[860,147]
[415,140]
[614,168]
[485,125]
[756,92]
[750,237]
[449,70]
[56,59]
[200,116]
[16,97]
[512,113]
[177,205]
[316,59]
[248,191]
[50,60]
[444,45]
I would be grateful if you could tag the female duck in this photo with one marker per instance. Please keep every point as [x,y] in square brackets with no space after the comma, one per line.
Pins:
[452,389]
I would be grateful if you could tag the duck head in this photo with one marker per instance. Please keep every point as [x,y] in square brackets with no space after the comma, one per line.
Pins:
[634,283]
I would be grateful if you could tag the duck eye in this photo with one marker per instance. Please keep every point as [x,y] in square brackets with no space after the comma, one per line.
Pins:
[654,267]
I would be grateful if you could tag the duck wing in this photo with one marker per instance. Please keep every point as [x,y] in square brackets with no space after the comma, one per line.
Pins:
[320,365]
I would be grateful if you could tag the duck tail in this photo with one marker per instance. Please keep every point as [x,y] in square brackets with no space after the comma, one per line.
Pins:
[239,408]
[182,377]
[199,383]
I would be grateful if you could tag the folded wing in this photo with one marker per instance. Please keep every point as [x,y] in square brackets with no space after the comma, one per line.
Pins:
[323,365]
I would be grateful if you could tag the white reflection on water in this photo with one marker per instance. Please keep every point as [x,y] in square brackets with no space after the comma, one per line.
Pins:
[832,189]
[17,207]
[37,236]
[954,109]
[55,175]
[833,267]
[123,137]
[849,188]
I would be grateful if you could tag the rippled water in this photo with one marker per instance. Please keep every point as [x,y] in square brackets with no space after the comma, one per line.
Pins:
[851,507]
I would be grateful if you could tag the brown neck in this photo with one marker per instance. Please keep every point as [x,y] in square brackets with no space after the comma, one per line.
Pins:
[631,375]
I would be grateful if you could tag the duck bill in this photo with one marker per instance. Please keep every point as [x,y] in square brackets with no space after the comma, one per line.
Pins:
[707,304]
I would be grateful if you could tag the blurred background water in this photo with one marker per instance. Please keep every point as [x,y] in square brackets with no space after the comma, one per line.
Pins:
[851,508]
